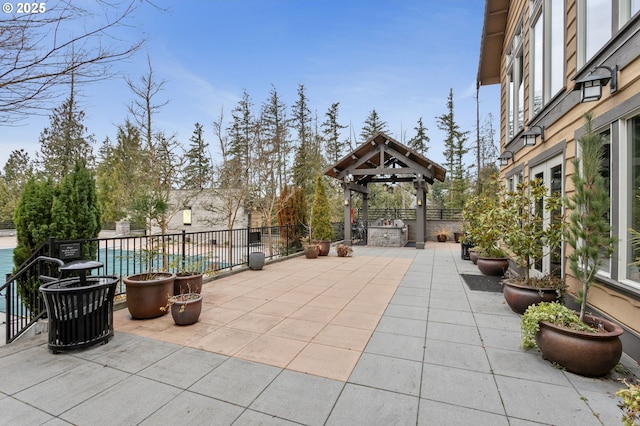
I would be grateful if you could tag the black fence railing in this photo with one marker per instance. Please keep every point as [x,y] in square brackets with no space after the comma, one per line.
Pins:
[210,252]
[410,214]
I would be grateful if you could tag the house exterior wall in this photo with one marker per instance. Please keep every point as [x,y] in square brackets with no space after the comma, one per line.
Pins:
[614,294]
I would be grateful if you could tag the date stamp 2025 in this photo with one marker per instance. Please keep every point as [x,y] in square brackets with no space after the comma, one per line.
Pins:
[24,8]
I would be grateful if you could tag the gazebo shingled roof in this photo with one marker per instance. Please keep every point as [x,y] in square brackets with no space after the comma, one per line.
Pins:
[365,162]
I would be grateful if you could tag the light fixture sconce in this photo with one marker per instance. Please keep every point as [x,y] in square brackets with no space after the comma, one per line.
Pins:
[504,158]
[591,86]
[186,216]
[346,201]
[529,137]
[419,202]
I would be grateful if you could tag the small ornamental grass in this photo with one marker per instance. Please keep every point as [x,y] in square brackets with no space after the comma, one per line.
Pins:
[551,312]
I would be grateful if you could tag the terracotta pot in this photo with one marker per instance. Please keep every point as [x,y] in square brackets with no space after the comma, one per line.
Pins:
[325,246]
[311,252]
[442,238]
[473,256]
[457,236]
[187,283]
[584,353]
[147,293]
[186,308]
[495,266]
[520,297]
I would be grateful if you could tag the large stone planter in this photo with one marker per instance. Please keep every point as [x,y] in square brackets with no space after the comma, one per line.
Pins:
[147,293]
[520,297]
[256,260]
[186,282]
[584,353]
[495,266]
[325,247]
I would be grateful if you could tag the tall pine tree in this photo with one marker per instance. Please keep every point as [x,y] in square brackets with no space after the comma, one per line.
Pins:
[420,142]
[335,149]
[197,168]
[373,124]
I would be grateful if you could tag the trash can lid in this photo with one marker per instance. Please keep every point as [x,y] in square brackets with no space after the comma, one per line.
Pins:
[81,265]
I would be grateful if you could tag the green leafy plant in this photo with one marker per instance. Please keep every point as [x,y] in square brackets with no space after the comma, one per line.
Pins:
[320,213]
[525,233]
[588,231]
[483,224]
[344,250]
[552,312]
[630,403]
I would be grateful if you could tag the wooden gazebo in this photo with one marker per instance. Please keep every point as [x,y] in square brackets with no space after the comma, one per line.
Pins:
[383,159]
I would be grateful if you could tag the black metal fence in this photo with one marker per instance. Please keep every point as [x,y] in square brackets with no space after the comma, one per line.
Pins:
[410,214]
[210,252]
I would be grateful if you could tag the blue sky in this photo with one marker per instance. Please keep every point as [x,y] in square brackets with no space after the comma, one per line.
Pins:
[399,57]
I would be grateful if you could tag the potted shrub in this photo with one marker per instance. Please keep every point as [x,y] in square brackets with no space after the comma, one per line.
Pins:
[528,239]
[442,235]
[189,277]
[185,308]
[595,348]
[485,228]
[310,250]
[322,231]
[344,250]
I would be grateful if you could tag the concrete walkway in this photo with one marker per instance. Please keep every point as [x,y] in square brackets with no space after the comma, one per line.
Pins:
[390,336]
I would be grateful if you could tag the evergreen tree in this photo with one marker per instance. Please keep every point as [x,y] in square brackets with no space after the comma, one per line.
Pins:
[197,171]
[274,128]
[373,124]
[65,141]
[241,134]
[455,150]
[14,177]
[306,163]
[321,229]
[335,149]
[421,140]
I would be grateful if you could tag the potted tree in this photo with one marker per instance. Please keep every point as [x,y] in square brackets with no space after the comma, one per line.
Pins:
[344,250]
[594,348]
[528,239]
[185,308]
[322,231]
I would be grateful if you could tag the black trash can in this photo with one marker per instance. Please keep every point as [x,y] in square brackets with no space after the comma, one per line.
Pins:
[80,312]
[464,248]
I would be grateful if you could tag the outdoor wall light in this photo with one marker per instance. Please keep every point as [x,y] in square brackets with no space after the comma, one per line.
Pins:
[591,86]
[504,158]
[530,135]
[346,201]
[419,202]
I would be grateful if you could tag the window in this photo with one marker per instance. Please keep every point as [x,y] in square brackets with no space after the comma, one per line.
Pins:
[605,171]
[632,194]
[515,86]
[547,52]
[628,8]
[595,21]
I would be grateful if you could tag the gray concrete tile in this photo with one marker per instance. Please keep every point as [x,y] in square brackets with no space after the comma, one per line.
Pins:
[388,373]
[525,365]
[610,384]
[404,311]
[455,303]
[406,347]
[454,333]
[118,340]
[500,339]
[236,381]
[79,384]
[128,402]
[16,412]
[459,355]
[190,408]
[499,322]
[604,406]
[402,326]
[459,387]
[442,414]
[299,397]
[400,299]
[544,402]
[451,317]
[183,368]
[27,368]
[253,418]
[406,290]
[359,405]
[137,355]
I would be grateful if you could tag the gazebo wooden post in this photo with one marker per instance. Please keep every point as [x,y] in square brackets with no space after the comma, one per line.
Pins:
[420,212]
[347,215]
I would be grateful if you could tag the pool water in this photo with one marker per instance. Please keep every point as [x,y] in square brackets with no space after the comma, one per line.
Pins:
[6,265]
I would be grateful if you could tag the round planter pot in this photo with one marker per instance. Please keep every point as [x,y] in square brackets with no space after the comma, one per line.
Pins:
[147,293]
[584,353]
[186,308]
[442,238]
[457,236]
[520,297]
[256,260]
[493,266]
[311,252]
[325,246]
[187,283]
[473,256]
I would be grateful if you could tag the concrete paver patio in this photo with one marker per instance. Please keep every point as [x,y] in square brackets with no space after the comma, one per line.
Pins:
[389,336]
